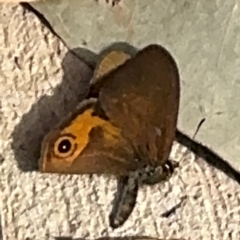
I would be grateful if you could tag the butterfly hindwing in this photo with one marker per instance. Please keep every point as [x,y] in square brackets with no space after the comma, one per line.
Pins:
[142,98]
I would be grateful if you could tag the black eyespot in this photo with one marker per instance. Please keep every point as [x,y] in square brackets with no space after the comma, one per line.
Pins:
[64,146]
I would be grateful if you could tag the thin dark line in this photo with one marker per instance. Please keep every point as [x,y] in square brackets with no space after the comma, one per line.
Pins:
[40,16]
[174,208]
[46,23]
[198,127]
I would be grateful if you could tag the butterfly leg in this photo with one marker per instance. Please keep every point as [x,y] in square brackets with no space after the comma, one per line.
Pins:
[125,200]
[160,174]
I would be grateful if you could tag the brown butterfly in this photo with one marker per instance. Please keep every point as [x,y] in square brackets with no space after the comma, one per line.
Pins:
[127,130]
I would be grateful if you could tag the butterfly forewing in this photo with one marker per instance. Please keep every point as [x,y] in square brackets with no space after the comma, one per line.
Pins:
[97,151]
[86,143]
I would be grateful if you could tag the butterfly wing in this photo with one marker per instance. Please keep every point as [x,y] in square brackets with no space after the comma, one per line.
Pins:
[108,63]
[97,156]
[86,143]
[141,97]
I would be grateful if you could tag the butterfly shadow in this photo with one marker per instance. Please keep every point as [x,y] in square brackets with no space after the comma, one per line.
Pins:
[78,65]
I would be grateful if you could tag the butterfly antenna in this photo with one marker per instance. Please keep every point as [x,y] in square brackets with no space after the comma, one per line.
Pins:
[198,127]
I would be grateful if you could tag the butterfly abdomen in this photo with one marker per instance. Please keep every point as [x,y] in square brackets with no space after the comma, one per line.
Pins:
[125,201]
